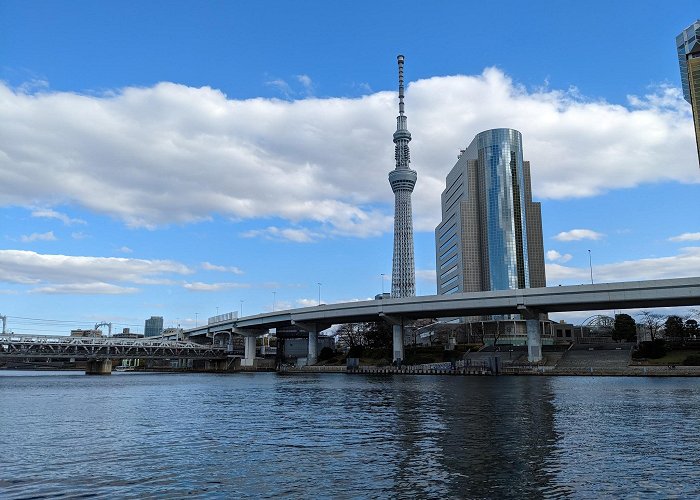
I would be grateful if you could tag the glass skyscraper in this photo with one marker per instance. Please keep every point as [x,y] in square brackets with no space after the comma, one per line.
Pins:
[490,237]
[153,326]
[688,45]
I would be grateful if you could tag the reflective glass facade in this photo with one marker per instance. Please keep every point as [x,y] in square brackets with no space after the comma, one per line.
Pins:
[688,45]
[490,237]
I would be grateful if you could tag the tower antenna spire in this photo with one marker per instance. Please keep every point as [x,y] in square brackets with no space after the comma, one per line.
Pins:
[400,59]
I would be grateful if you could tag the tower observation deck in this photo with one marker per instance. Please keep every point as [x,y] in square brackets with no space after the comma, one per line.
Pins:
[402,180]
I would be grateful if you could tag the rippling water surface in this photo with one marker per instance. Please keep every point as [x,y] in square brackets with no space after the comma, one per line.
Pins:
[338,436]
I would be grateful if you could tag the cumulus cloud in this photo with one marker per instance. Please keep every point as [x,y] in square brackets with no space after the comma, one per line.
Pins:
[126,249]
[208,266]
[49,236]
[198,286]
[71,274]
[52,214]
[321,163]
[578,234]
[685,264]
[686,237]
[554,256]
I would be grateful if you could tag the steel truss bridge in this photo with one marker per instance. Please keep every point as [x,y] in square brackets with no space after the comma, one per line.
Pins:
[13,346]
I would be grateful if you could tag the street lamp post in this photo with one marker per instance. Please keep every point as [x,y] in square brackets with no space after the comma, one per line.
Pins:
[319,293]
[274,298]
[195,319]
[590,265]
[382,278]
[241,308]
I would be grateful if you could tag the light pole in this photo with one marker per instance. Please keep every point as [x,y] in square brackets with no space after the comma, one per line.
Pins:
[590,265]
[217,310]
[241,308]
[319,293]
[382,278]
[195,319]
[274,298]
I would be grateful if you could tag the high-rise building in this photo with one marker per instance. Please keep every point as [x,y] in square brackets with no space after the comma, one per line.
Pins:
[688,44]
[490,237]
[402,180]
[154,326]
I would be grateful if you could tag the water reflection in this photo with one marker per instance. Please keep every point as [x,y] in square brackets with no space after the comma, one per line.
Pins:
[339,436]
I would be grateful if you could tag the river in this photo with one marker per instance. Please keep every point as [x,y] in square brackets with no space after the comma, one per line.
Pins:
[134,435]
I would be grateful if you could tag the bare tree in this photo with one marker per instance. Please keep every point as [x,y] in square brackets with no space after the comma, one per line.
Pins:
[352,334]
[652,322]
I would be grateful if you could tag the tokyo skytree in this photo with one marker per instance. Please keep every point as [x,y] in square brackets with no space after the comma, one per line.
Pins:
[402,180]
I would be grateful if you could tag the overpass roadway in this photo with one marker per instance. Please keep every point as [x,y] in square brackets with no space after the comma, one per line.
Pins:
[528,302]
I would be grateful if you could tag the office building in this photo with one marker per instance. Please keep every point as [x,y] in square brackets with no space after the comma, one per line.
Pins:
[154,326]
[490,237]
[688,45]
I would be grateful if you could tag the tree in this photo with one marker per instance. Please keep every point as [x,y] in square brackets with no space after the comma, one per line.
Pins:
[652,323]
[625,328]
[379,334]
[351,334]
[691,328]
[674,327]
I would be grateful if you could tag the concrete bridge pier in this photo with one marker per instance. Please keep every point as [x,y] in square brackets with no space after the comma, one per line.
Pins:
[98,367]
[534,335]
[312,356]
[397,325]
[312,329]
[249,344]
[398,343]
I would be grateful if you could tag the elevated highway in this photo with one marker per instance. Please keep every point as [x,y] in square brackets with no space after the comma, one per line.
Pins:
[527,302]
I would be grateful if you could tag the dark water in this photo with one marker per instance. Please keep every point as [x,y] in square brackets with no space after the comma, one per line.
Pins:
[338,436]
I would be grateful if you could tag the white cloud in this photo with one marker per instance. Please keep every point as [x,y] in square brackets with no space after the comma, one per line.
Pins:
[685,264]
[307,302]
[198,286]
[281,85]
[297,235]
[686,237]
[424,274]
[49,236]
[85,289]
[126,250]
[58,273]
[52,214]
[321,163]
[578,234]
[554,256]
[78,235]
[307,83]
[207,266]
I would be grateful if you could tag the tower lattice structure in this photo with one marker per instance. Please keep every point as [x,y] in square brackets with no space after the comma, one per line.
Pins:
[402,180]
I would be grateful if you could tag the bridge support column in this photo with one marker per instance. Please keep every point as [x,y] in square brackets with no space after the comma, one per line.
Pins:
[534,341]
[249,358]
[312,356]
[398,343]
[99,367]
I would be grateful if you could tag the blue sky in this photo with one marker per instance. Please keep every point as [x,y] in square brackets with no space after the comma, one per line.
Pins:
[186,158]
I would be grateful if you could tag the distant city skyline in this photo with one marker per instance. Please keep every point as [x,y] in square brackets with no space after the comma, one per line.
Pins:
[234,156]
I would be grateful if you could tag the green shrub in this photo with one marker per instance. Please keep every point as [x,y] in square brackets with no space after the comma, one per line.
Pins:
[653,349]
[326,354]
[356,351]
[692,360]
